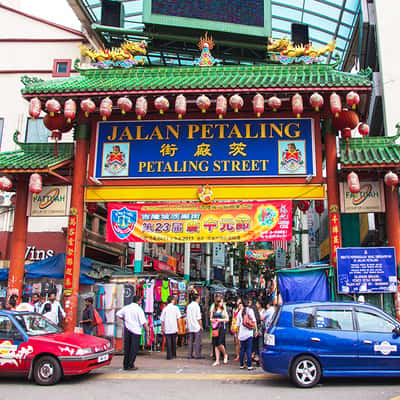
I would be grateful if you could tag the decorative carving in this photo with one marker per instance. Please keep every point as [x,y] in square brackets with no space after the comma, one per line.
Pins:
[205,45]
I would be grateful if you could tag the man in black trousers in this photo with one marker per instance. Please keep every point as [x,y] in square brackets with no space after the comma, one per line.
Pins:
[169,326]
[134,319]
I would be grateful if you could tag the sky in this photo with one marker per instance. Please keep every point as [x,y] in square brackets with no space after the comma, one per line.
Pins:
[57,11]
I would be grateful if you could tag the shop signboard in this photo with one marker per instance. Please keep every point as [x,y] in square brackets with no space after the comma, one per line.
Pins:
[218,254]
[259,255]
[369,199]
[205,148]
[366,270]
[70,253]
[198,222]
[52,201]
[280,258]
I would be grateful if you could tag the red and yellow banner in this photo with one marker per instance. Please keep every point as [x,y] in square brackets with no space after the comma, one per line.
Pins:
[69,256]
[198,222]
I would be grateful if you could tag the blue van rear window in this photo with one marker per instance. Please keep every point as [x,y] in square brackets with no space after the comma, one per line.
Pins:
[303,317]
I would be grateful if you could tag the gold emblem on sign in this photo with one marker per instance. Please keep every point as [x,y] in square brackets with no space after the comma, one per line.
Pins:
[205,194]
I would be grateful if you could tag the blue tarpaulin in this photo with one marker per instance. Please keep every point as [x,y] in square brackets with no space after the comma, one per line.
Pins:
[304,285]
[53,267]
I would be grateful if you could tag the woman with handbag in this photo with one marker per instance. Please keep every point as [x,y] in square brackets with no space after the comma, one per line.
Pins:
[247,323]
[235,327]
[219,318]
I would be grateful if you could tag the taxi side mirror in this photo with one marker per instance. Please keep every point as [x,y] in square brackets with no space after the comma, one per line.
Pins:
[396,330]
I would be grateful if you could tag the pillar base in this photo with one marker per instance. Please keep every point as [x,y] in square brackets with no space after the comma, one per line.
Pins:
[138,267]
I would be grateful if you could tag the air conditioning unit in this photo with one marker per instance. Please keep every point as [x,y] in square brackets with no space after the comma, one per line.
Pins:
[5,199]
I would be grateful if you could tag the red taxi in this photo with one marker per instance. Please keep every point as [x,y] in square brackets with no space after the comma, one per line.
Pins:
[33,346]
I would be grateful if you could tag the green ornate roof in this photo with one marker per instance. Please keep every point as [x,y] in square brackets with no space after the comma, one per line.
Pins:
[371,152]
[36,156]
[171,79]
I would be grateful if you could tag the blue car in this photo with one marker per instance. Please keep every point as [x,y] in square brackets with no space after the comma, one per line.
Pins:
[333,339]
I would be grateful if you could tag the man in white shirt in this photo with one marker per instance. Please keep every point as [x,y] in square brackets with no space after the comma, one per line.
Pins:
[24,305]
[56,309]
[194,327]
[169,326]
[134,319]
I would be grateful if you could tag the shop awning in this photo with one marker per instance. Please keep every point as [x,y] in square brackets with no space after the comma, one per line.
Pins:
[53,267]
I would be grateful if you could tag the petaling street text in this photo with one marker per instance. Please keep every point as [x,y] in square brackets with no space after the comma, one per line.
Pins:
[203,166]
[205,131]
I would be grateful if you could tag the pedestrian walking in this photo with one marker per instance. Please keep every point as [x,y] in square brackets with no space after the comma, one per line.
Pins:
[268,315]
[134,319]
[169,326]
[49,313]
[247,324]
[12,302]
[194,327]
[219,318]
[37,303]
[235,327]
[24,305]
[255,349]
[58,313]
[87,321]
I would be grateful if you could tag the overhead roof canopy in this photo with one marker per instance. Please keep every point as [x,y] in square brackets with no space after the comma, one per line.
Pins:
[327,20]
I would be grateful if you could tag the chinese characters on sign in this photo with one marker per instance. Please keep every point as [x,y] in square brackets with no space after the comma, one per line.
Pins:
[197,222]
[212,148]
[366,270]
[336,239]
[69,256]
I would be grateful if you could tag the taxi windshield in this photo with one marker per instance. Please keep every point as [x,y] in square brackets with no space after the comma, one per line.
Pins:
[36,324]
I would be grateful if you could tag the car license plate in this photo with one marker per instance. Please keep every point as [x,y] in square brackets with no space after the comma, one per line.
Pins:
[102,358]
[269,339]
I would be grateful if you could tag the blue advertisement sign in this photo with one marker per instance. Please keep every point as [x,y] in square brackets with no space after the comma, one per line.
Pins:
[205,148]
[366,270]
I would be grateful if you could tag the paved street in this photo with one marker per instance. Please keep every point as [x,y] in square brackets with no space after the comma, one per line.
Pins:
[183,379]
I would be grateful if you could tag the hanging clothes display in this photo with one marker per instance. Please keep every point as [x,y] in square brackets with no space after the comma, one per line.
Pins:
[149,297]
[165,291]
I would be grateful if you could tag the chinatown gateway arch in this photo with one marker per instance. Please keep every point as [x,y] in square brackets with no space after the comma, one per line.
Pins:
[189,153]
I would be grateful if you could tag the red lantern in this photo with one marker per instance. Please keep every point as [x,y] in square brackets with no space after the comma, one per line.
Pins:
[141,107]
[124,104]
[319,206]
[316,101]
[336,104]
[5,184]
[221,106]
[297,105]
[363,129]
[353,99]
[391,179]
[236,102]
[57,123]
[88,107]
[275,103]
[180,105]
[303,205]
[105,108]
[258,104]
[69,110]
[161,104]
[354,182]
[53,107]
[35,183]
[203,103]
[346,119]
[35,108]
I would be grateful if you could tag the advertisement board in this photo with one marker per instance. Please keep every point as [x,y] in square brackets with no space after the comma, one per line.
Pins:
[370,199]
[52,201]
[205,148]
[366,270]
[198,222]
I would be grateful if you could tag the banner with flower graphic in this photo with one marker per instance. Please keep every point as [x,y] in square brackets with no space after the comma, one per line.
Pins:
[197,222]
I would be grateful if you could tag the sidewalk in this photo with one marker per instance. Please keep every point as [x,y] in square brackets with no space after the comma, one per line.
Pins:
[152,363]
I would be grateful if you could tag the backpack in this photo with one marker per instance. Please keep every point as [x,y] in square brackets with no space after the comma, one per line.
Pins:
[247,322]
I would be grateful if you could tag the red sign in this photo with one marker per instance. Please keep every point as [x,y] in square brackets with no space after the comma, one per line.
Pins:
[198,222]
[161,266]
[336,238]
[69,255]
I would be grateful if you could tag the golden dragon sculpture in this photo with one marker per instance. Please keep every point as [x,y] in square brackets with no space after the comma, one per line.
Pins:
[286,48]
[127,51]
